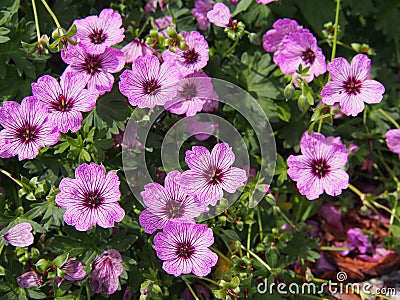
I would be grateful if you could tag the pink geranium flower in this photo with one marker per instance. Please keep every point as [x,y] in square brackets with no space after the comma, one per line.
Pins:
[96,33]
[273,38]
[96,69]
[220,15]
[212,173]
[184,248]
[91,198]
[265,1]
[149,83]
[393,140]
[193,92]
[193,59]
[27,129]
[65,100]
[351,86]
[300,48]
[319,167]
[135,49]
[73,270]
[171,202]
[29,279]
[20,235]
[200,10]
[106,269]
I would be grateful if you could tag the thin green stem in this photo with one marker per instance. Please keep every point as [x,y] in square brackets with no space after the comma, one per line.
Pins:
[52,14]
[257,257]
[345,46]
[36,20]
[287,220]
[11,177]
[357,192]
[249,234]
[320,125]
[87,291]
[190,289]
[221,254]
[231,48]
[260,226]
[143,27]
[386,115]
[201,278]
[335,34]
[394,210]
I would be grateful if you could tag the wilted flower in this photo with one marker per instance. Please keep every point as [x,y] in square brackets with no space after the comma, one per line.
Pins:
[193,92]
[301,49]
[106,268]
[135,49]
[351,86]
[211,174]
[29,279]
[171,202]
[27,128]
[200,10]
[73,269]
[65,100]
[20,235]
[393,140]
[91,198]
[148,83]
[355,240]
[184,248]
[192,59]
[96,33]
[319,168]
[96,69]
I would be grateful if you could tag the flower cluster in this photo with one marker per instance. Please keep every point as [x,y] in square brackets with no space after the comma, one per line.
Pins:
[294,47]
[183,244]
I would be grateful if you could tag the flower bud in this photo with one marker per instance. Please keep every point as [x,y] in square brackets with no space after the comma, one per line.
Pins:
[302,103]
[289,91]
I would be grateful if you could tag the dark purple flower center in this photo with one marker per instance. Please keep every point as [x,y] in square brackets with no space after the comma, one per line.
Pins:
[184,250]
[27,133]
[308,56]
[233,24]
[174,209]
[149,86]
[97,36]
[352,86]
[190,56]
[62,104]
[93,199]
[216,177]
[92,64]
[320,167]
[189,91]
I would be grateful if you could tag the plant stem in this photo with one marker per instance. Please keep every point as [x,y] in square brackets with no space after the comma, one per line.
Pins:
[249,234]
[11,177]
[386,115]
[190,288]
[357,191]
[51,13]
[143,27]
[335,34]
[202,278]
[261,261]
[221,254]
[36,20]
[231,48]
[260,226]
[87,291]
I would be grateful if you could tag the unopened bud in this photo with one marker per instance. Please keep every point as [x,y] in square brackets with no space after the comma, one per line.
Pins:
[289,91]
